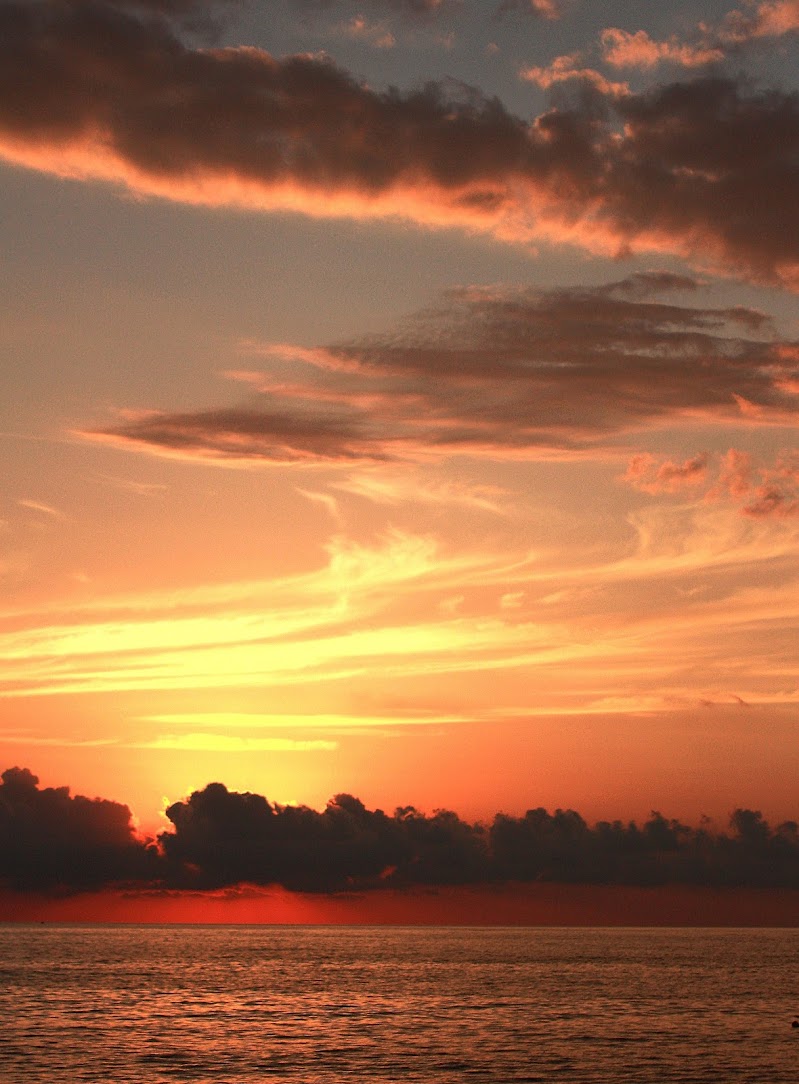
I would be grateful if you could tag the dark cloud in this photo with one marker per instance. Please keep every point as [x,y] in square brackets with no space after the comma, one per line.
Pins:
[244,434]
[500,372]
[407,7]
[700,157]
[707,169]
[222,839]
[541,9]
[51,841]
[205,19]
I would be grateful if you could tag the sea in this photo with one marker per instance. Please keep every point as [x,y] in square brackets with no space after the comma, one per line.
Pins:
[384,1005]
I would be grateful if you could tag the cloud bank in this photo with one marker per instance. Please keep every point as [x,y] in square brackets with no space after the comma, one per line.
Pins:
[51,841]
[220,838]
[704,169]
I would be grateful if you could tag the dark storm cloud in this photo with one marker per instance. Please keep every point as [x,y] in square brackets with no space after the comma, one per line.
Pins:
[51,841]
[222,839]
[707,169]
[503,373]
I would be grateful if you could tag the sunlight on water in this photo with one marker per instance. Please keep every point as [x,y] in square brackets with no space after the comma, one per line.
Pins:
[320,1005]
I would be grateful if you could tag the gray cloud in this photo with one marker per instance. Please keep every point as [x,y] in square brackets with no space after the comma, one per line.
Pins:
[499,372]
[708,169]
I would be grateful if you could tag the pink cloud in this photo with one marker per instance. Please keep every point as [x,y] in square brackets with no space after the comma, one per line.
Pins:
[564,69]
[778,493]
[735,474]
[646,474]
[376,34]
[625,50]
[770,501]
[773,18]
[760,491]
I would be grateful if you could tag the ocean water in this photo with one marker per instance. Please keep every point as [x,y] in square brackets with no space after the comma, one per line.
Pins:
[323,1005]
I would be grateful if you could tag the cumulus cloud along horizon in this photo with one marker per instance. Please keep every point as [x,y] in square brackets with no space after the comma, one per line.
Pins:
[501,373]
[57,843]
[704,169]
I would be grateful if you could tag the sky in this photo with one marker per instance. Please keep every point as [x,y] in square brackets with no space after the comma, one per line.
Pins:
[399,399]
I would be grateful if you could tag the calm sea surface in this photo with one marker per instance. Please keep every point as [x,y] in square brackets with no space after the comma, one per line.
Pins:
[322,1005]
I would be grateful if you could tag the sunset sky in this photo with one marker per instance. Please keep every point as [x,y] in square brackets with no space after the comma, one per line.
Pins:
[400,398]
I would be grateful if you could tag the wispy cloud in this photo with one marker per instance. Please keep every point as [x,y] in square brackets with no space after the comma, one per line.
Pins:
[499,373]
[303,723]
[568,635]
[40,506]
[233,743]
[389,487]
[567,69]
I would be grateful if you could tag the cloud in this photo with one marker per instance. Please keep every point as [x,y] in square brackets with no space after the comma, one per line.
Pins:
[772,501]
[51,841]
[366,604]
[495,372]
[375,34]
[761,491]
[646,474]
[40,506]
[570,635]
[776,493]
[735,474]
[222,839]
[234,743]
[773,18]
[246,435]
[406,7]
[623,49]
[710,44]
[386,487]
[544,9]
[706,170]
[565,69]
[330,723]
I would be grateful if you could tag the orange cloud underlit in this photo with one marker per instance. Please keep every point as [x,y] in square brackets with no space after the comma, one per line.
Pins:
[235,126]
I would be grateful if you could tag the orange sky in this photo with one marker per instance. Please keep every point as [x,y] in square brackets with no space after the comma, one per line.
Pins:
[436,446]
